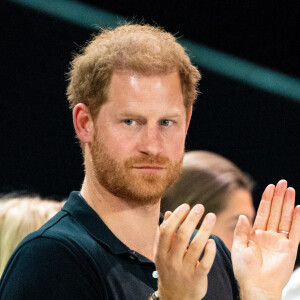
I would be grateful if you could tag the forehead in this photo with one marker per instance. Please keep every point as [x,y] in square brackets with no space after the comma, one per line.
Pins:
[130,89]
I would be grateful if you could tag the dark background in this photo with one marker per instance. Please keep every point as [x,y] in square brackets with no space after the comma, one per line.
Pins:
[257,130]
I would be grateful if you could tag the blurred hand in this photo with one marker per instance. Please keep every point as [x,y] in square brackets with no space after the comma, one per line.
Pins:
[264,256]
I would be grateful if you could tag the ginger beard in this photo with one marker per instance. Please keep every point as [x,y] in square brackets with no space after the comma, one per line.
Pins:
[123,181]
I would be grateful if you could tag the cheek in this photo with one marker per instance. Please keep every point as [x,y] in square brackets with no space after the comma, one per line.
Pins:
[115,143]
[174,150]
[175,143]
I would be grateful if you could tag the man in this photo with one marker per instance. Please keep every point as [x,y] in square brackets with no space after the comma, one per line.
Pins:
[132,91]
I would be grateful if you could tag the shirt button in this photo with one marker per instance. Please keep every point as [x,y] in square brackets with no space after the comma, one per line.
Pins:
[132,255]
[155,274]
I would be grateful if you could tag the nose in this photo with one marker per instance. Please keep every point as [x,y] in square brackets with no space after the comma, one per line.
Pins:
[150,140]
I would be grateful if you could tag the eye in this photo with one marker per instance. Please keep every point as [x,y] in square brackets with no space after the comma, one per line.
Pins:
[129,122]
[166,122]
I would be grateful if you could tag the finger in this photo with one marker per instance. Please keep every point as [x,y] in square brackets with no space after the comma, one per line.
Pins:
[295,228]
[204,266]
[167,215]
[199,241]
[264,208]
[276,208]
[168,228]
[287,211]
[183,235]
[242,231]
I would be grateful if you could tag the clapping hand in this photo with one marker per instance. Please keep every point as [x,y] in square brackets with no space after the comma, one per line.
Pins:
[181,275]
[263,256]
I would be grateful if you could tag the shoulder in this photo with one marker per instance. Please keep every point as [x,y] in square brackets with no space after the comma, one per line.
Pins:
[221,281]
[53,262]
[63,231]
[222,251]
[39,249]
[62,238]
[46,268]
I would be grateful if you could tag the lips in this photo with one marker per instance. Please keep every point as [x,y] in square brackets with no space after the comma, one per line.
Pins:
[154,167]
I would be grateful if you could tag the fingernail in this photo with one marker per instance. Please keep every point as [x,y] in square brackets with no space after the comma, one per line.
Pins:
[281,187]
[182,207]
[197,209]
[282,182]
[211,217]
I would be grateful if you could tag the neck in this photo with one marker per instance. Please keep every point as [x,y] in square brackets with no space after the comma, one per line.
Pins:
[136,226]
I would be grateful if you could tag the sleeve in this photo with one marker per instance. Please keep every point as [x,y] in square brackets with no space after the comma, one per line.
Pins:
[45,268]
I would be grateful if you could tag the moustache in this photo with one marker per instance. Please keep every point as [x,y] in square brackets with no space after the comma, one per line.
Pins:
[147,160]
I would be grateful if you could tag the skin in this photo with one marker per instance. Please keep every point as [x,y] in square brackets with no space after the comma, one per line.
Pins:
[148,101]
[182,275]
[137,130]
[260,251]
[144,115]
[238,203]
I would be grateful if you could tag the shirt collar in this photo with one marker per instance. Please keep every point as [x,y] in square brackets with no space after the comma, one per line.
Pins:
[90,220]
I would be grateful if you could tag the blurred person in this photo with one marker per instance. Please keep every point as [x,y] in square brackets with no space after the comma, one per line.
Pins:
[19,216]
[218,184]
[132,90]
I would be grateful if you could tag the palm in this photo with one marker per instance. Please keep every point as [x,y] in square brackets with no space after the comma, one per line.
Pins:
[268,254]
[262,257]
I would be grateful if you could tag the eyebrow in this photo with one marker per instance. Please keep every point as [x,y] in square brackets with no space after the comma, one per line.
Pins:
[166,116]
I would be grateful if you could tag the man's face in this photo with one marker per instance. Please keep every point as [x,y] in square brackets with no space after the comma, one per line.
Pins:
[140,132]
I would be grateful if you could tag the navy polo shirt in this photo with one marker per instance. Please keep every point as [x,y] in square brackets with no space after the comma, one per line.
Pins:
[76,256]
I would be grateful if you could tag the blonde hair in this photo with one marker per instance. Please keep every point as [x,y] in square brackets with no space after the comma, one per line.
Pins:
[19,217]
[206,178]
[144,49]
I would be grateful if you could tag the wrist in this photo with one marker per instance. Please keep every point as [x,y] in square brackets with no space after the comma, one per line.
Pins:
[260,294]
[155,296]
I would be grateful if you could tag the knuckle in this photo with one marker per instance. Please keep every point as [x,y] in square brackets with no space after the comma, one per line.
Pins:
[204,267]
[180,235]
[164,229]
[195,248]
[172,266]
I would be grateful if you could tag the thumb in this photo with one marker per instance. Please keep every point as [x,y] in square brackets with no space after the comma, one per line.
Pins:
[242,231]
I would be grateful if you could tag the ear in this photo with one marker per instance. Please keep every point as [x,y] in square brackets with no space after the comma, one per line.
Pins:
[83,123]
[189,111]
